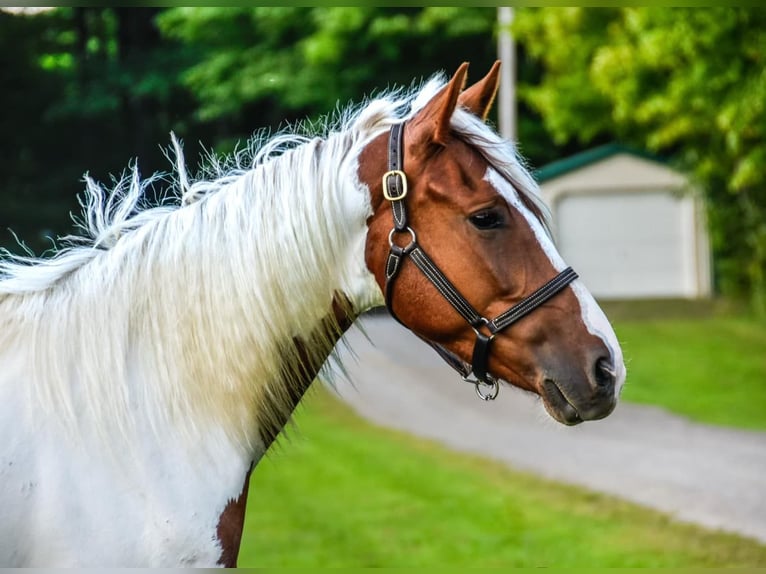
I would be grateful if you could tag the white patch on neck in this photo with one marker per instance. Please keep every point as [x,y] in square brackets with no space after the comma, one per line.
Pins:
[595,321]
[358,282]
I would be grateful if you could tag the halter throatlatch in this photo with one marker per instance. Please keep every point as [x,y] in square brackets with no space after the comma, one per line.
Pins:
[395,190]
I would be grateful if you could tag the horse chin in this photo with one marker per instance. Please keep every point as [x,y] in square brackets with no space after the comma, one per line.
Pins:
[563,407]
[557,404]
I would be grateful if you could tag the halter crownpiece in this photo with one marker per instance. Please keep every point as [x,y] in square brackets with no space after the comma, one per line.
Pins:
[395,190]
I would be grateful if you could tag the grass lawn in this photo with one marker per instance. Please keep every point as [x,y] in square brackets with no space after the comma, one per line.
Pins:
[344,493]
[711,369]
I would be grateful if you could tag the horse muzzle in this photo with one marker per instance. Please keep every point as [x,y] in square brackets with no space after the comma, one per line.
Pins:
[575,399]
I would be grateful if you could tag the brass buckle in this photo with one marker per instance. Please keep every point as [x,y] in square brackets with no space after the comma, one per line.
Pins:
[391,173]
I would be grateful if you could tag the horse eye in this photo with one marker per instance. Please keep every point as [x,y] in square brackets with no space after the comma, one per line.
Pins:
[487,219]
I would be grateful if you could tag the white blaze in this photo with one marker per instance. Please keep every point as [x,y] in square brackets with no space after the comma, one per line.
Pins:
[593,317]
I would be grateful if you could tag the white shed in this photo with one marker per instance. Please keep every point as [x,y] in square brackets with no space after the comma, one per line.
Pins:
[629,224]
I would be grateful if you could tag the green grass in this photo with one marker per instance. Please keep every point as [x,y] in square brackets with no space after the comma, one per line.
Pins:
[709,368]
[344,493]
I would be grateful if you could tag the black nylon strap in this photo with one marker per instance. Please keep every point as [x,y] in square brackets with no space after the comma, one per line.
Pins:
[532,301]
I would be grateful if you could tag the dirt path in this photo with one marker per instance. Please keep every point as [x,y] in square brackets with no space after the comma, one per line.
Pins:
[710,476]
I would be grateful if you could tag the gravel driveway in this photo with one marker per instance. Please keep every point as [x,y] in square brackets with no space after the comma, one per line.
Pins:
[710,476]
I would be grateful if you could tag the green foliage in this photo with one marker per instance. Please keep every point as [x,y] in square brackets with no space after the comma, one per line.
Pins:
[689,83]
[89,89]
[343,493]
[304,61]
[564,41]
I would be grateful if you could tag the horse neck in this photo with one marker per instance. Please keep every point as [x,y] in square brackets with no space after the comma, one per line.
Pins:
[221,312]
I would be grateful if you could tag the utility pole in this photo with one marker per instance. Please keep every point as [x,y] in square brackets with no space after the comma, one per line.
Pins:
[506,53]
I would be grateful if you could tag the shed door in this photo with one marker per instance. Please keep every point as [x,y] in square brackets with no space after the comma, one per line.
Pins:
[626,244]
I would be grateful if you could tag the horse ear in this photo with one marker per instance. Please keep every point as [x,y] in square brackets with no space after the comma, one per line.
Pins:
[480,97]
[435,116]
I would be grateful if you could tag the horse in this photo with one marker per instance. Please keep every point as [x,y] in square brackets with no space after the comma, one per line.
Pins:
[149,364]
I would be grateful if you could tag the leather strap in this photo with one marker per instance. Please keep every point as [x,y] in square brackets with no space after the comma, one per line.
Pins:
[396,255]
[532,301]
[445,287]
[395,184]
[480,358]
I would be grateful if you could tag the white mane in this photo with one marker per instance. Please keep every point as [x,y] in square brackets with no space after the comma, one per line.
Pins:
[186,312]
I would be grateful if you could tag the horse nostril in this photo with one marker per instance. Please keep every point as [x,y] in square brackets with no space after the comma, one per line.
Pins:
[604,374]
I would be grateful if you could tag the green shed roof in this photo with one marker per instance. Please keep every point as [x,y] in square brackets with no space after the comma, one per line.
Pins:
[560,167]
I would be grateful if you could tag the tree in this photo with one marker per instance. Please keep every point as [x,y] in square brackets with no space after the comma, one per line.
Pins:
[24,146]
[687,83]
[85,89]
[263,66]
[286,63]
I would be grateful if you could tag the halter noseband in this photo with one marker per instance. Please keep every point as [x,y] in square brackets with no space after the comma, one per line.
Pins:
[395,191]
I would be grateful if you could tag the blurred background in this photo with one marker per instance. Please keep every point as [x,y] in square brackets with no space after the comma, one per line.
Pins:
[644,126]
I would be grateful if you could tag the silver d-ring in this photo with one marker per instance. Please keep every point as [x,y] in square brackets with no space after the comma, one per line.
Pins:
[494,387]
[413,237]
[491,394]
[484,322]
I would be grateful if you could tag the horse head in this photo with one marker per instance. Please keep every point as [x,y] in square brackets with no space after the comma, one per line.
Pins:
[457,241]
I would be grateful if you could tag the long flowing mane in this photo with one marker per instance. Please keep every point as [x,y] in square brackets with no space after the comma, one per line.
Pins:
[166,282]
[141,309]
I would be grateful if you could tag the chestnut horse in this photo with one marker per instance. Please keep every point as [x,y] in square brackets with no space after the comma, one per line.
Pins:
[147,367]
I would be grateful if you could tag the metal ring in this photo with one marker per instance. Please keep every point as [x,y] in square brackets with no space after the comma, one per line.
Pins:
[494,387]
[492,394]
[413,237]
[484,323]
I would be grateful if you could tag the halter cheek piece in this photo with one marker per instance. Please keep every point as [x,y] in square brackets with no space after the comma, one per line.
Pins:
[395,191]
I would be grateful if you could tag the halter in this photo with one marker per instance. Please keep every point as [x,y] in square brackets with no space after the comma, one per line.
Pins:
[395,190]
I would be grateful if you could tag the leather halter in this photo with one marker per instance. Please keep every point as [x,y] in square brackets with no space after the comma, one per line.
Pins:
[395,191]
